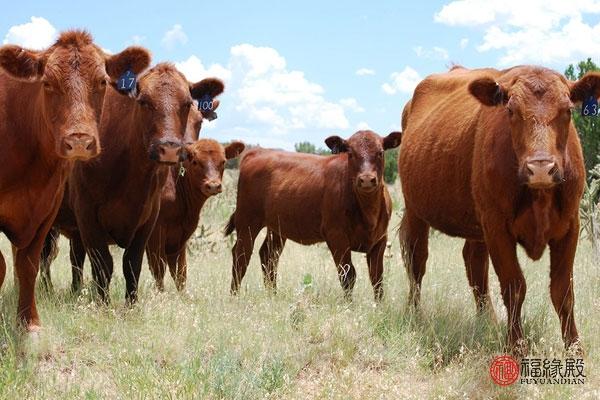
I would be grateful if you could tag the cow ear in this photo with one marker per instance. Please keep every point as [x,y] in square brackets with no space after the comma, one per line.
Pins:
[21,63]
[207,87]
[336,144]
[488,92]
[392,140]
[133,58]
[588,85]
[234,149]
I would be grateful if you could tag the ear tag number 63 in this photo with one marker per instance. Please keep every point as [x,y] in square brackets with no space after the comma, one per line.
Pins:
[589,108]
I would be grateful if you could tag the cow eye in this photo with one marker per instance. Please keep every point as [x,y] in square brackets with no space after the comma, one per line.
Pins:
[47,86]
[144,103]
[380,153]
[103,83]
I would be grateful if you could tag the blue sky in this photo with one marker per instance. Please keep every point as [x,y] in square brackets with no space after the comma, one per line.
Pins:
[298,71]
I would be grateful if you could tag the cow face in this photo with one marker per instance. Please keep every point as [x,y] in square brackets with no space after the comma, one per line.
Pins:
[72,75]
[164,100]
[365,156]
[206,163]
[537,106]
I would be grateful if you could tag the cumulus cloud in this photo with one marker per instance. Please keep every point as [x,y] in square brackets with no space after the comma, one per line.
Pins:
[538,31]
[404,81]
[435,53]
[264,94]
[351,104]
[174,37]
[365,71]
[37,34]
[363,126]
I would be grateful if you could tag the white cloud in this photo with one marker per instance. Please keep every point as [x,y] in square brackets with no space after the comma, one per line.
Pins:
[464,42]
[538,31]
[363,126]
[365,71]
[174,36]
[404,81]
[435,53]
[137,39]
[37,34]
[194,70]
[351,104]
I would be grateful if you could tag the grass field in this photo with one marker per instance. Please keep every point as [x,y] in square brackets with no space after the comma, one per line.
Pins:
[304,342]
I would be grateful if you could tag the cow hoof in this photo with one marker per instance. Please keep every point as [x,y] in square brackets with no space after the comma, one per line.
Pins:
[575,349]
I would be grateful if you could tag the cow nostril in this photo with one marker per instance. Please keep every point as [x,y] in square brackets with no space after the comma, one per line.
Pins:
[68,146]
[373,181]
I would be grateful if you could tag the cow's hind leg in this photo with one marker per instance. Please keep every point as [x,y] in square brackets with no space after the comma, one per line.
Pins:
[269,258]
[476,259]
[414,238]
[77,256]
[242,251]
[49,254]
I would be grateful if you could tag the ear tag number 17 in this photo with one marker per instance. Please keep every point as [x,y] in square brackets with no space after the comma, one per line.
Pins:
[126,82]
[589,108]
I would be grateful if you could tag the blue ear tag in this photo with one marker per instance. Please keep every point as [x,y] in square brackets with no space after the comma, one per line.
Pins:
[205,105]
[589,108]
[126,82]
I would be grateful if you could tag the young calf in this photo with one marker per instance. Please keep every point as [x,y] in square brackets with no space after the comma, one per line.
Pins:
[340,200]
[179,214]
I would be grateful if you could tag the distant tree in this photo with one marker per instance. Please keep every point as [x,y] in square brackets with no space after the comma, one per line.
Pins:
[390,171]
[587,127]
[307,147]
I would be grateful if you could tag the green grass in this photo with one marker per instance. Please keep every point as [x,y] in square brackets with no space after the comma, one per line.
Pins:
[304,342]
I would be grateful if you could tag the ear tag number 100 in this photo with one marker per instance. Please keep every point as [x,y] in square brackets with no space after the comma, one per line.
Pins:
[589,108]
[126,82]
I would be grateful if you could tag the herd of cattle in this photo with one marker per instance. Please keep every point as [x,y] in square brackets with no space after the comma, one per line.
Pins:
[489,156]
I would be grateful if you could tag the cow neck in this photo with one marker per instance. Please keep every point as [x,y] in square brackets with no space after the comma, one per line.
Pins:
[370,205]
[191,195]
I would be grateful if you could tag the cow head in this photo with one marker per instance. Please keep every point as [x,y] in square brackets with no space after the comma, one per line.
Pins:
[72,75]
[365,156]
[537,105]
[164,99]
[206,163]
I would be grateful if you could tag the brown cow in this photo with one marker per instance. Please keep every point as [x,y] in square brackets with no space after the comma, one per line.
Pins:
[116,199]
[493,157]
[340,200]
[50,107]
[179,216]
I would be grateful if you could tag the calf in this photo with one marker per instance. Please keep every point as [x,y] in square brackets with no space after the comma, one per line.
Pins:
[179,216]
[50,107]
[498,163]
[116,199]
[339,199]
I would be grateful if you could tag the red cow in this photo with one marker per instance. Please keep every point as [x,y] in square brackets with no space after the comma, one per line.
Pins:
[50,107]
[340,200]
[493,157]
[179,216]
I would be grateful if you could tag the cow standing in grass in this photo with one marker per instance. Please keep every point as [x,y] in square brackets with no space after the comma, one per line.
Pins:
[51,103]
[339,199]
[493,157]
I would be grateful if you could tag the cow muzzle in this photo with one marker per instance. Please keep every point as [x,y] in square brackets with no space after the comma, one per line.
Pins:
[79,146]
[542,172]
[168,152]
[210,188]
[367,182]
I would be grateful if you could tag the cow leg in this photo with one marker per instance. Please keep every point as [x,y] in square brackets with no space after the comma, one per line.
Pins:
[77,256]
[2,269]
[562,255]
[157,263]
[269,258]
[503,251]
[375,264]
[241,253]
[178,268]
[49,253]
[132,264]
[102,269]
[342,257]
[476,259]
[414,237]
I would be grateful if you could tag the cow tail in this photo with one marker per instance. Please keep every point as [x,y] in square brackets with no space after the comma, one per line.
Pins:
[230,227]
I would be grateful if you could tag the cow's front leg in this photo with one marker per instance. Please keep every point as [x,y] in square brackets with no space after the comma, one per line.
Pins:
[375,264]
